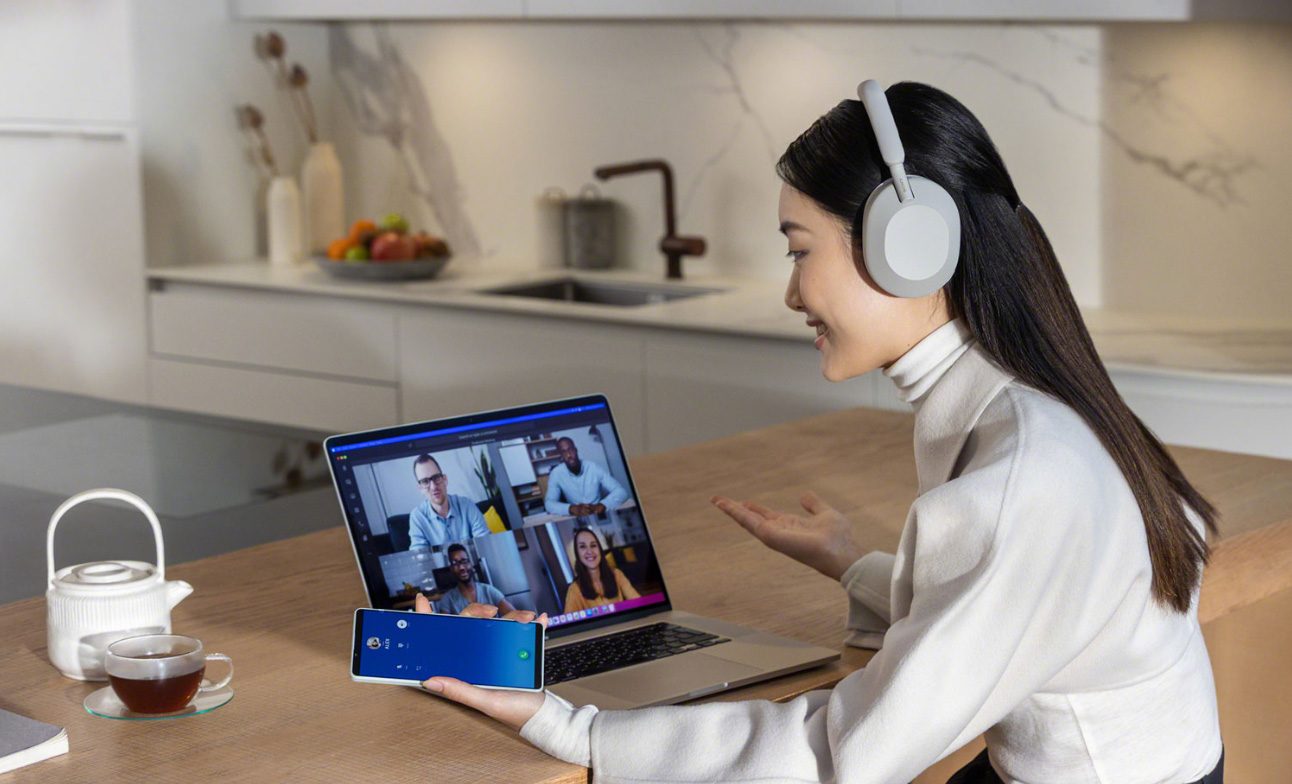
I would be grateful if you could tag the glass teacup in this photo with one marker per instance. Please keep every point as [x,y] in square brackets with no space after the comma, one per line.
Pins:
[160,673]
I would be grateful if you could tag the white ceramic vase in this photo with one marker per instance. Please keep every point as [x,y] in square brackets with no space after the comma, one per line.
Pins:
[324,195]
[283,214]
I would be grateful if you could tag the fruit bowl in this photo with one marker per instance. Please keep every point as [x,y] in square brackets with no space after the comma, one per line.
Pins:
[411,269]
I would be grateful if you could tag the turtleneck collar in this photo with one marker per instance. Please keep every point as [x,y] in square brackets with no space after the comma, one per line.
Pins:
[918,370]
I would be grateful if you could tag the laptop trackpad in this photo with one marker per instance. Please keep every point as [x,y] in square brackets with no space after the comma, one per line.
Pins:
[668,678]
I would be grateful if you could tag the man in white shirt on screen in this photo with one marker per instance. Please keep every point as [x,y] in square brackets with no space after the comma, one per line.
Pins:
[579,488]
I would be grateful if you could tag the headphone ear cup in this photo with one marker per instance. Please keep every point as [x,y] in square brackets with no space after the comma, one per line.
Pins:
[910,249]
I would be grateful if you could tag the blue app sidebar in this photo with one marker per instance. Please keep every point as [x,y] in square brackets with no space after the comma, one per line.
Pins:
[411,646]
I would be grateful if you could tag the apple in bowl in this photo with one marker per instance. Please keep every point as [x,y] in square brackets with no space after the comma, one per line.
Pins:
[392,246]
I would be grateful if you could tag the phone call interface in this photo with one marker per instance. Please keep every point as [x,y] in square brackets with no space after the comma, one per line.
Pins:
[412,646]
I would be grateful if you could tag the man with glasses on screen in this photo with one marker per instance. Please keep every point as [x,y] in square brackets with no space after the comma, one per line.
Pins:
[469,590]
[442,517]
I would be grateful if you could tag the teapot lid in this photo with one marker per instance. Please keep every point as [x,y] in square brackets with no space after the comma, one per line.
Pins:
[106,576]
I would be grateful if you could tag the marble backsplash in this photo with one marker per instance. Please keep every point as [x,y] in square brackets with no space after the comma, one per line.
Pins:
[463,125]
[1154,154]
[1197,171]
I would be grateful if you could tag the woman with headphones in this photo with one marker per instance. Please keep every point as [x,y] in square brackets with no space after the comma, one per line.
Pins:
[1044,591]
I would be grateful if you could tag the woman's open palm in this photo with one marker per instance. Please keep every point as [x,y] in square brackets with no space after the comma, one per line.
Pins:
[823,539]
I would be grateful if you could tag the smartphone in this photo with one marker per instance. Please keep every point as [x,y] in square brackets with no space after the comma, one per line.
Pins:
[396,646]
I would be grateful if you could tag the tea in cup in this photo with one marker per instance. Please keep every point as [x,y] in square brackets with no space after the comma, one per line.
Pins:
[160,673]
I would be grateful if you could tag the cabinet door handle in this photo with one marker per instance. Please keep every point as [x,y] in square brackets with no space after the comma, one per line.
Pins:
[84,134]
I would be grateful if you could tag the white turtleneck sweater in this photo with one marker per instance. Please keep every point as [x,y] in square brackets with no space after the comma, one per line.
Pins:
[1017,605]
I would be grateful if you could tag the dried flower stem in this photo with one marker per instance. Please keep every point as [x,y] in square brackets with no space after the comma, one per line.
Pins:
[250,118]
[271,47]
[299,81]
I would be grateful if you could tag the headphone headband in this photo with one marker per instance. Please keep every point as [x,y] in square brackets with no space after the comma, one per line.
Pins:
[885,128]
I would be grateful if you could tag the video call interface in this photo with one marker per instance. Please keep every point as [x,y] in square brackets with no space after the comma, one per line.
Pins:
[527,512]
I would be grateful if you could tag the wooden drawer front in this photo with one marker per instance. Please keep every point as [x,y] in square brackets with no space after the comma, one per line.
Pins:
[275,331]
[323,404]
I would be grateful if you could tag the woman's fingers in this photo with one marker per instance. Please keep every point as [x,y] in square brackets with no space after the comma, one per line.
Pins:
[741,512]
[421,604]
[759,509]
[475,610]
[813,504]
[520,616]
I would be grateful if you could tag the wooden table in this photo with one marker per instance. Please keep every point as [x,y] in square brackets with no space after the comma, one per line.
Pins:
[283,612]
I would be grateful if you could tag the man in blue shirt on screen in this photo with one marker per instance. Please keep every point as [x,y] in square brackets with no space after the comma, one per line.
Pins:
[442,517]
[580,488]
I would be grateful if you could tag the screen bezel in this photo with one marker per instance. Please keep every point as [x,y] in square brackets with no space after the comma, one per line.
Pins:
[403,431]
[357,646]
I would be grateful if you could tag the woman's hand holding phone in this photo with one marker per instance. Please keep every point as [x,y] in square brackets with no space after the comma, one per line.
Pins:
[824,540]
[512,708]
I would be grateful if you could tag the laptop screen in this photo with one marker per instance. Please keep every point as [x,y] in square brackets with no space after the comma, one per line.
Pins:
[529,508]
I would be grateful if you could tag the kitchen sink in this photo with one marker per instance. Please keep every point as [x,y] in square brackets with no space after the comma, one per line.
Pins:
[601,293]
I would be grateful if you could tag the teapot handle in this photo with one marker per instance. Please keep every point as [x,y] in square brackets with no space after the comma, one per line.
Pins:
[119,495]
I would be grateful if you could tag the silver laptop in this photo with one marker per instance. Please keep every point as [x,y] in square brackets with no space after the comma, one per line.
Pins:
[534,508]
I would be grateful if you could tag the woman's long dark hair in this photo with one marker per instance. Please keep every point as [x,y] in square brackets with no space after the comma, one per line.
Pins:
[609,586]
[1011,294]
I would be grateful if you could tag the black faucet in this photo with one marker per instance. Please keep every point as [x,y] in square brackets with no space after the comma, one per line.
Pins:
[672,246]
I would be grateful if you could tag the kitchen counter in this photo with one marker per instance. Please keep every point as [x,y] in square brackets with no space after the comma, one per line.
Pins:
[754,308]
[743,307]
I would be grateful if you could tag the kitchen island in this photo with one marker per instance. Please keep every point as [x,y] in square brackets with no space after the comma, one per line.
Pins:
[282,611]
[297,346]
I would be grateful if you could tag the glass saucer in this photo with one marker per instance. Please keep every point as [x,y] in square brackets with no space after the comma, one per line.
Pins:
[105,703]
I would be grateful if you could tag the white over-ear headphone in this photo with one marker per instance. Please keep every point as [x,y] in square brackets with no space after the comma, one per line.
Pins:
[910,228]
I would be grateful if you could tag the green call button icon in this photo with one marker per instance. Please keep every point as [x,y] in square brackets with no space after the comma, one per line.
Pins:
[524,655]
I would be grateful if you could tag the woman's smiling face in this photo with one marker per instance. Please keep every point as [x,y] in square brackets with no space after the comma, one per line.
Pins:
[589,550]
[859,327]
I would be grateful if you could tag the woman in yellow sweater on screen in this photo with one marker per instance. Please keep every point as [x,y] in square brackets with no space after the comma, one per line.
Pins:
[596,582]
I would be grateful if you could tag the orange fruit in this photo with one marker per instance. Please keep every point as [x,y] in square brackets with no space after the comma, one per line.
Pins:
[362,227]
[336,248]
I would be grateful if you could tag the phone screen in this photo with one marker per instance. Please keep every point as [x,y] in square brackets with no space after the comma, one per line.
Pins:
[416,646]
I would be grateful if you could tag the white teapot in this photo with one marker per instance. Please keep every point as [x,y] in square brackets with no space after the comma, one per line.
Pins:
[92,605]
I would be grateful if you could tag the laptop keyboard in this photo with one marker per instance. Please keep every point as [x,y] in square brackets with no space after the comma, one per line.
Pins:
[622,649]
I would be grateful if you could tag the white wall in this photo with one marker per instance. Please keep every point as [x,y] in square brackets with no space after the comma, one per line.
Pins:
[192,67]
[1197,169]
[480,118]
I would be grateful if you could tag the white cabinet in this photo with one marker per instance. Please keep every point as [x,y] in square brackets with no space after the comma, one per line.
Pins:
[65,61]
[1212,410]
[711,9]
[1050,10]
[377,9]
[72,260]
[332,405]
[702,386]
[315,362]
[462,361]
[861,10]
[340,363]
[320,335]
